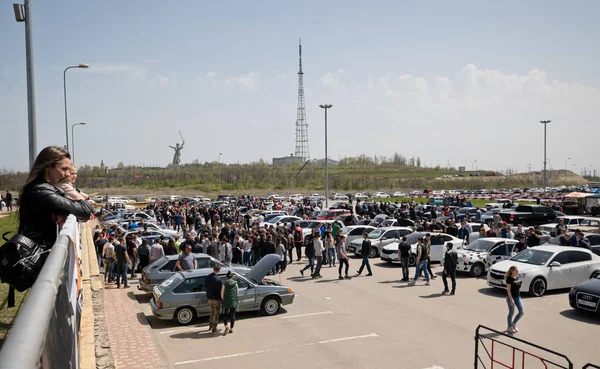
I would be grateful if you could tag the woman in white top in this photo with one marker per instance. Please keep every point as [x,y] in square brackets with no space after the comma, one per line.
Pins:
[319,248]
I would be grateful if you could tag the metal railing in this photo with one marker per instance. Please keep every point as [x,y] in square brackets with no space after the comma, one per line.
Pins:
[44,334]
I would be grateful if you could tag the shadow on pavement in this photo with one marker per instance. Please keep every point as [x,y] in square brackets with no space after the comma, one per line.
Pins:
[394,281]
[432,296]
[329,280]
[581,316]
[501,293]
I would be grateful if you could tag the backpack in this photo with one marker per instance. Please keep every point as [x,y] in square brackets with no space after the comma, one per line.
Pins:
[297,236]
[309,250]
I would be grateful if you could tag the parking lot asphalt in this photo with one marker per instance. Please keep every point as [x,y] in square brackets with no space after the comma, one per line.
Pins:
[377,322]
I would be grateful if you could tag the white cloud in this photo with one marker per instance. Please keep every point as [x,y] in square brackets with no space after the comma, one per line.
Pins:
[494,113]
[332,80]
[247,82]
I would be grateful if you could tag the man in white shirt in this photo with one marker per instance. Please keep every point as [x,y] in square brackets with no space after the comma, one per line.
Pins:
[319,248]
[108,253]
[225,251]
[156,251]
[247,247]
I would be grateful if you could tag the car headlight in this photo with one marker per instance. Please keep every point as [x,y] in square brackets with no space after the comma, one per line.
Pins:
[521,275]
[573,291]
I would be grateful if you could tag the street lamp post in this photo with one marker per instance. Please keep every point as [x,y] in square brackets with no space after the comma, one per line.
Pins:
[82,66]
[529,167]
[473,164]
[73,139]
[326,106]
[572,165]
[219,161]
[545,123]
[23,14]
[567,159]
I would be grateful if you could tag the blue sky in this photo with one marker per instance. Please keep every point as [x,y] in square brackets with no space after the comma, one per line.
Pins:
[457,81]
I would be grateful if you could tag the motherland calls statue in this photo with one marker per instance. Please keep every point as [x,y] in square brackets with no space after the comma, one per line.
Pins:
[177,148]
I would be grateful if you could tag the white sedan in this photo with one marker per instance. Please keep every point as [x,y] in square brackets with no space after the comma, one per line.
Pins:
[361,196]
[340,196]
[381,195]
[544,268]
[438,247]
[280,220]
[399,194]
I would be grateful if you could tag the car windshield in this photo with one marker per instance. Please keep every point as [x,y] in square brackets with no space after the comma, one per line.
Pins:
[172,281]
[376,233]
[480,245]
[275,219]
[532,256]
[322,213]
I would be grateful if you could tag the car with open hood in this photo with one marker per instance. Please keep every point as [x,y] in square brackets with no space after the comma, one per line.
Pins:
[473,258]
[544,268]
[586,295]
[163,268]
[182,298]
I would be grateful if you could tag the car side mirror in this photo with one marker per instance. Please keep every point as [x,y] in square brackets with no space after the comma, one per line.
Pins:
[383,238]
[555,264]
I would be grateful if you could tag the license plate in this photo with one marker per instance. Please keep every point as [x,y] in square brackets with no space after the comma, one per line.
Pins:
[495,281]
[586,303]
[351,248]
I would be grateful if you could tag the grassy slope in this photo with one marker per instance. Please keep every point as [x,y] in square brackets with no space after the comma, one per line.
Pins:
[7,315]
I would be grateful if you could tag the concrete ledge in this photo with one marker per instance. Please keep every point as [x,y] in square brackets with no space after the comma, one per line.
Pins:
[92,284]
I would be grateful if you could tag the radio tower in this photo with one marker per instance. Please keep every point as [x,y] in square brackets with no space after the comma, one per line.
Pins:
[301,125]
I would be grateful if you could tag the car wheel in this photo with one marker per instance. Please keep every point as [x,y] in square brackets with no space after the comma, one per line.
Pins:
[373,252]
[270,306]
[412,260]
[595,274]
[538,287]
[477,270]
[185,315]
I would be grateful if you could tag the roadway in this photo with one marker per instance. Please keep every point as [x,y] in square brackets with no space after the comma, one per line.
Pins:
[376,322]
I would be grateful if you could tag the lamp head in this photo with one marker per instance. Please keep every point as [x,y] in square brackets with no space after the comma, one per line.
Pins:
[84,66]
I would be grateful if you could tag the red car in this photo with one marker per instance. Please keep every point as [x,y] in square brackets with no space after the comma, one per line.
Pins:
[330,214]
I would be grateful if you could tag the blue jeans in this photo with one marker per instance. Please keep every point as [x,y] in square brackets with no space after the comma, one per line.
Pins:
[331,256]
[99,254]
[246,259]
[311,265]
[511,310]
[121,273]
[422,266]
[365,262]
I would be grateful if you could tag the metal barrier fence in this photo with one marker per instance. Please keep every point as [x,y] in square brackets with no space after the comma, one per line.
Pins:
[46,331]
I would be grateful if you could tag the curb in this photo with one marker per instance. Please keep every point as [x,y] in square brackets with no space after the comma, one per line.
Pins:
[93,288]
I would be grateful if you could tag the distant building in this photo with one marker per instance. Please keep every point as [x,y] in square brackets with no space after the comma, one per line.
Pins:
[462,169]
[279,162]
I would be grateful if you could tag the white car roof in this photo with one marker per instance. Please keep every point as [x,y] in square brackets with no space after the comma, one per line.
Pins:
[555,249]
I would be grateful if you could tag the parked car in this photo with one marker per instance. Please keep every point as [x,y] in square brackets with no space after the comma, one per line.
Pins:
[163,268]
[280,219]
[182,297]
[379,238]
[296,197]
[473,258]
[339,196]
[381,195]
[544,268]
[529,215]
[347,219]
[399,194]
[330,214]
[586,295]
[355,232]
[438,247]
[98,198]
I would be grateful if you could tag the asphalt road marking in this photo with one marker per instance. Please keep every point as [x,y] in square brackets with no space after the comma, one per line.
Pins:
[435,367]
[303,315]
[224,357]
[338,340]
[200,327]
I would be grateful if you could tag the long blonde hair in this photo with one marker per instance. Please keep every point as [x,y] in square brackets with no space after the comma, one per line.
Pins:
[510,271]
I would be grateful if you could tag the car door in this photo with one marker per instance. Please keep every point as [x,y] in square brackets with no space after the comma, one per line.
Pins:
[559,277]
[500,251]
[246,295]
[388,237]
[192,292]
[437,247]
[580,262]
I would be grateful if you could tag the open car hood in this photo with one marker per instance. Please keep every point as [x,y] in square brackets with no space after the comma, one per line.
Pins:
[262,268]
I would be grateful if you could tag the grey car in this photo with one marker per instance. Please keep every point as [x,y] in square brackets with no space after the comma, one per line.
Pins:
[163,268]
[182,297]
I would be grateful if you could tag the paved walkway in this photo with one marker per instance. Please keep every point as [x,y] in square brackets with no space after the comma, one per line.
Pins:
[128,330]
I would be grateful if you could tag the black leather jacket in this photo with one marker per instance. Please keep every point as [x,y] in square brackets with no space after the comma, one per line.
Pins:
[44,202]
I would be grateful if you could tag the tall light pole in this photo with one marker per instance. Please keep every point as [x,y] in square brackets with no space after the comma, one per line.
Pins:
[23,14]
[572,165]
[82,66]
[73,139]
[219,161]
[473,164]
[529,167]
[566,163]
[326,107]
[545,123]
